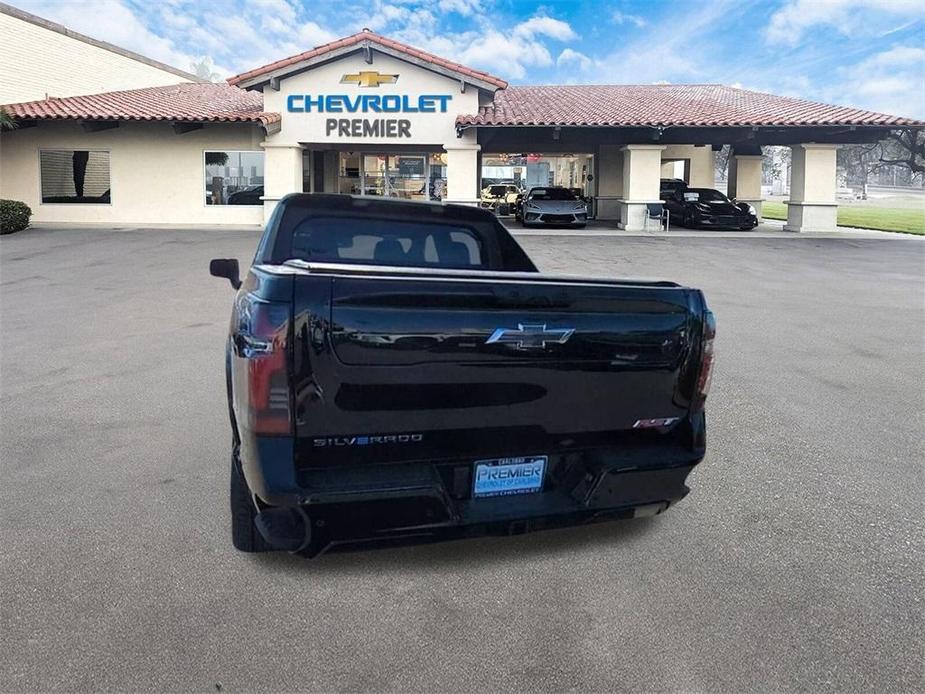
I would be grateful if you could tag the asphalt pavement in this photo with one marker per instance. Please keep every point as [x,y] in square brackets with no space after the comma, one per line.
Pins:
[795,564]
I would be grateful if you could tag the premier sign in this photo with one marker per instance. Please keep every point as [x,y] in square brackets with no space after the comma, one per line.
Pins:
[368,103]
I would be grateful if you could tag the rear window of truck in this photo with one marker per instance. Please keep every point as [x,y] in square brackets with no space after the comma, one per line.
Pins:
[386,242]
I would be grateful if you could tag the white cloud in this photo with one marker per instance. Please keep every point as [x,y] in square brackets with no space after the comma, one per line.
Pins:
[466,8]
[849,17]
[679,53]
[568,58]
[619,17]
[508,52]
[311,34]
[892,81]
[238,35]
[545,26]
[115,22]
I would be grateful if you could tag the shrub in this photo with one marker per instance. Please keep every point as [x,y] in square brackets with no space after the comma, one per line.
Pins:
[14,216]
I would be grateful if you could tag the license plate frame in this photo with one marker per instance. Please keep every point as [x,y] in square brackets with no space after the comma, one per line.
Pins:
[508,476]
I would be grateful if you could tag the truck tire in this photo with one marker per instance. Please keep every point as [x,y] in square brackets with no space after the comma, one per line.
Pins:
[244,534]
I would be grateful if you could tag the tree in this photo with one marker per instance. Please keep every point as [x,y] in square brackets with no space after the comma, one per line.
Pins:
[905,148]
[901,149]
[721,162]
[202,68]
[216,158]
[7,122]
[775,163]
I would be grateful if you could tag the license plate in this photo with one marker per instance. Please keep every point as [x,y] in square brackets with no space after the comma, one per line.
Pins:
[509,476]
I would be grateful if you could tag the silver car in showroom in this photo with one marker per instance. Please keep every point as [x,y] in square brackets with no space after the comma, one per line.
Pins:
[552,205]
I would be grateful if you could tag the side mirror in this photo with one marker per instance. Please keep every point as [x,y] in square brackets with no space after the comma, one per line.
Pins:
[227,268]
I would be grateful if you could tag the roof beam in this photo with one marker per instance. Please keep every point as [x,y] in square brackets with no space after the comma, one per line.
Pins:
[524,138]
[95,126]
[182,128]
[274,84]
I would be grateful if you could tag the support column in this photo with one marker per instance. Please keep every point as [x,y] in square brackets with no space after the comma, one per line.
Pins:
[703,167]
[609,182]
[462,171]
[642,166]
[282,174]
[812,205]
[745,179]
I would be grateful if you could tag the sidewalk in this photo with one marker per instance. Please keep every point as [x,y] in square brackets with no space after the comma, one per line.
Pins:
[769,228]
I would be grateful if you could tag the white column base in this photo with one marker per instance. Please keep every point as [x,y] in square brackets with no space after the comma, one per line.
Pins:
[633,215]
[811,216]
[608,208]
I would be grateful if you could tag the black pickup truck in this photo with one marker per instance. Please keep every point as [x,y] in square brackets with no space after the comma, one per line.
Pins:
[400,370]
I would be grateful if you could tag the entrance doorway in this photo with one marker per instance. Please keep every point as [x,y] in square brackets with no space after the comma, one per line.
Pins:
[410,176]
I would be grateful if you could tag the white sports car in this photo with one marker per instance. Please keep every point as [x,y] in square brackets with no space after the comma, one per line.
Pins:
[553,205]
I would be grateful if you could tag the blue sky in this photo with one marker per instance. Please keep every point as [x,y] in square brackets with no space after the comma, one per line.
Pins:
[865,53]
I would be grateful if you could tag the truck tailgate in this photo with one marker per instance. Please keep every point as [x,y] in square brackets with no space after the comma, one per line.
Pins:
[392,367]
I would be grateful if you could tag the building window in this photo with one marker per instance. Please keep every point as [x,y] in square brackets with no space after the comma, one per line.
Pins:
[75,176]
[234,178]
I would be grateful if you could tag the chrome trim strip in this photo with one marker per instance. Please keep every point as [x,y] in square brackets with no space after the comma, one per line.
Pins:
[389,272]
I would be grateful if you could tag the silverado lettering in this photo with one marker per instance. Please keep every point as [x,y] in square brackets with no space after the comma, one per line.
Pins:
[509,399]
[366,440]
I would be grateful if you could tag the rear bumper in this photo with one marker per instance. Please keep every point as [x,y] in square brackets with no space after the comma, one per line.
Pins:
[356,505]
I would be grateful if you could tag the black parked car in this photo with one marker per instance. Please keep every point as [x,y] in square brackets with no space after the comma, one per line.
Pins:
[669,186]
[705,207]
[248,196]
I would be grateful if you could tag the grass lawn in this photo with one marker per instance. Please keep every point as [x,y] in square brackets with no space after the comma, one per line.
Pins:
[907,221]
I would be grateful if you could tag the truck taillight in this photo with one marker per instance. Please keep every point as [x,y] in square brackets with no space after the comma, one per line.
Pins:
[262,340]
[705,376]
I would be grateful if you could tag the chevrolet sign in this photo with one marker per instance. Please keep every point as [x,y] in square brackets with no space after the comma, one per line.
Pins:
[368,103]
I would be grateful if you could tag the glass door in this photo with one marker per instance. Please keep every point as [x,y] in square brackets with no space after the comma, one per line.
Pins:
[405,176]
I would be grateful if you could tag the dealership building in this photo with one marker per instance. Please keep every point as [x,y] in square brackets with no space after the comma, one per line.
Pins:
[368,115]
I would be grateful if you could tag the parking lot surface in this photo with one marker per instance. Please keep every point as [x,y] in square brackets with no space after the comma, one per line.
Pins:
[794,564]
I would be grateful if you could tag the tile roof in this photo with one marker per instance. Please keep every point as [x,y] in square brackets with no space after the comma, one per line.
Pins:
[188,102]
[374,38]
[703,105]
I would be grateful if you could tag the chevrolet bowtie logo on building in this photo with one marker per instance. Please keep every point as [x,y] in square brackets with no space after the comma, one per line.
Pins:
[369,78]
[530,336]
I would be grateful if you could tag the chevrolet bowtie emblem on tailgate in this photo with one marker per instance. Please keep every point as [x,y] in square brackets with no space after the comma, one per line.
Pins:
[530,336]
[369,78]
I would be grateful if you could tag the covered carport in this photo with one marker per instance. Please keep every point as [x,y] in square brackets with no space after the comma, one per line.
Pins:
[636,131]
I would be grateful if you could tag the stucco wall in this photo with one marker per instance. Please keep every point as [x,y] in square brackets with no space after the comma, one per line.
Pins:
[37,61]
[700,160]
[156,175]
